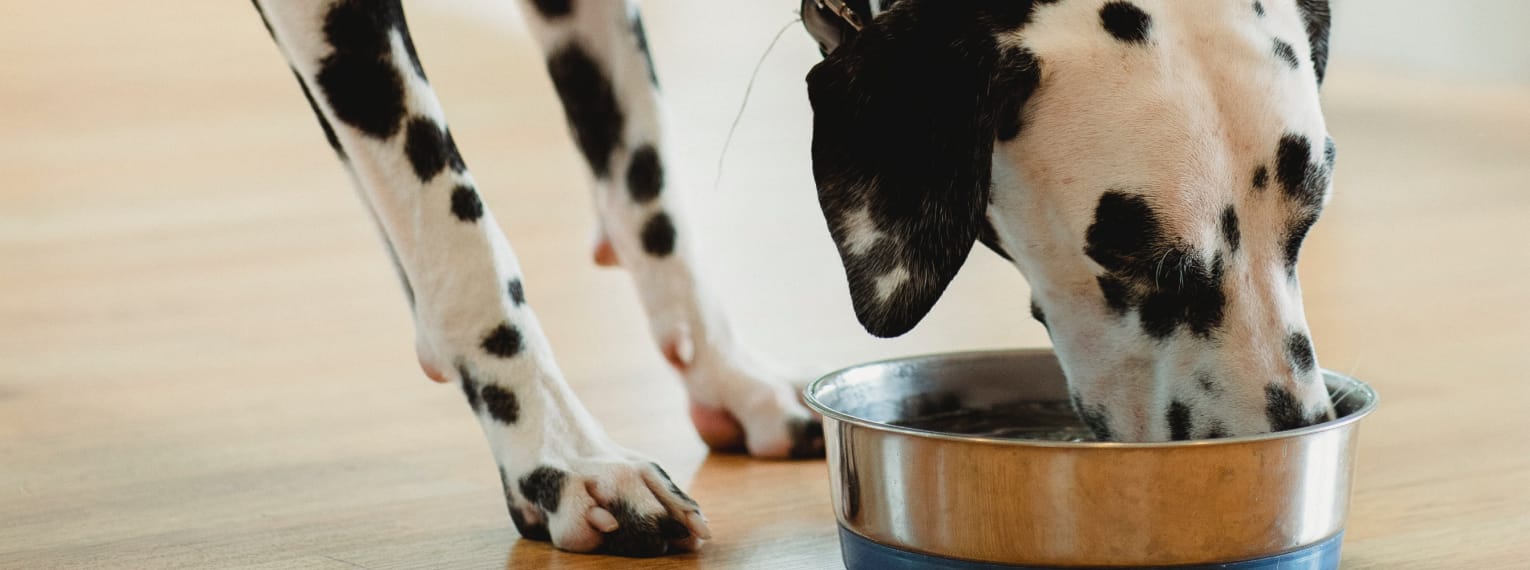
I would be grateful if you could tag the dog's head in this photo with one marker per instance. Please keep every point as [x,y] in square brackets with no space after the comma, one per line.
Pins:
[1151,167]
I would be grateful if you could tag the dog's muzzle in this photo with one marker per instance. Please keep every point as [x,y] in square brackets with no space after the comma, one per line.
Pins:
[834,22]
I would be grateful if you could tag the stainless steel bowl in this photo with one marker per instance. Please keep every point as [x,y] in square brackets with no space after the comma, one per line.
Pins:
[984,499]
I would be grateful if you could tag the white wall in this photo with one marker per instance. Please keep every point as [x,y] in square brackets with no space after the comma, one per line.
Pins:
[1487,40]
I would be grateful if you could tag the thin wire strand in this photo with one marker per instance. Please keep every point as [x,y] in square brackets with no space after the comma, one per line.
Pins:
[717,182]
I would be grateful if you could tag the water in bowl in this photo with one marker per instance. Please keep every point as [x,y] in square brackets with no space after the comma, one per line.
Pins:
[1036,421]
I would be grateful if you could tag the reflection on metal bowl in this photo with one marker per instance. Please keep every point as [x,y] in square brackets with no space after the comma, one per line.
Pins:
[975,460]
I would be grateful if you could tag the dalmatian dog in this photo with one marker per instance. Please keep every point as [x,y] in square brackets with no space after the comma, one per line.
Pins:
[1150,166]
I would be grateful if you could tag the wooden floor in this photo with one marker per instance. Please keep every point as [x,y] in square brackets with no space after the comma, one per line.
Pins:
[205,361]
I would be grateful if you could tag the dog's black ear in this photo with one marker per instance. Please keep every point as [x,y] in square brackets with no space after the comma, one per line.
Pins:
[905,115]
[1315,18]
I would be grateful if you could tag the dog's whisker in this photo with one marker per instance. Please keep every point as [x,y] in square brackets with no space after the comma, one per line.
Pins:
[1158,272]
[1351,390]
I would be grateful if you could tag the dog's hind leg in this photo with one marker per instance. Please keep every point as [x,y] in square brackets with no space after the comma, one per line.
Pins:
[564,479]
[599,62]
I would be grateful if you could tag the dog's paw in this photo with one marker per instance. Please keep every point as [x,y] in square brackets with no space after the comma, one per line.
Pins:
[609,505]
[739,404]
[774,430]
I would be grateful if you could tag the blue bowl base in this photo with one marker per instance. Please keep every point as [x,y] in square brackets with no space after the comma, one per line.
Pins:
[860,553]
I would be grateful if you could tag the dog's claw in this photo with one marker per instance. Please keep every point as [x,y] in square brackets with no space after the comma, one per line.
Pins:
[698,525]
[602,519]
[618,504]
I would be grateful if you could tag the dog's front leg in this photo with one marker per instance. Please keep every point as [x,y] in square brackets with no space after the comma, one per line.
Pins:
[599,62]
[564,479]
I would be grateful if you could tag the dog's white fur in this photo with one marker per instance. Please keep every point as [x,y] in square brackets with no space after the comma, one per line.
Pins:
[1185,122]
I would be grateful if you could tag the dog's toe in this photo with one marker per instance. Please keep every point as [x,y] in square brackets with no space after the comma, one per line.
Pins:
[623,507]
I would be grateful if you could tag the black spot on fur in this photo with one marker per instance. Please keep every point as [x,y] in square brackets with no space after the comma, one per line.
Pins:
[1216,431]
[423,144]
[517,291]
[1179,421]
[1230,232]
[502,404]
[1158,319]
[1295,233]
[470,389]
[589,104]
[430,149]
[645,174]
[1167,284]
[673,488]
[1284,51]
[990,238]
[553,8]
[329,131]
[504,341]
[543,486]
[1025,76]
[359,78]
[1095,418]
[1291,165]
[1193,298]
[1305,184]
[659,235]
[1208,383]
[642,45]
[1123,229]
[1124,233]
[1117,294]
[1258,8]
[1283,410]
[362,26]
[1125,21]
[1037,314]
[807,438]
[1261,177]
[1330,152]
[1316,19]
[1299,350]
[465,204]
[528,531]
[638,535]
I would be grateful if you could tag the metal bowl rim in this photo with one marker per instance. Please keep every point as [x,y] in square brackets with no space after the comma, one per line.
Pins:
[810,396]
